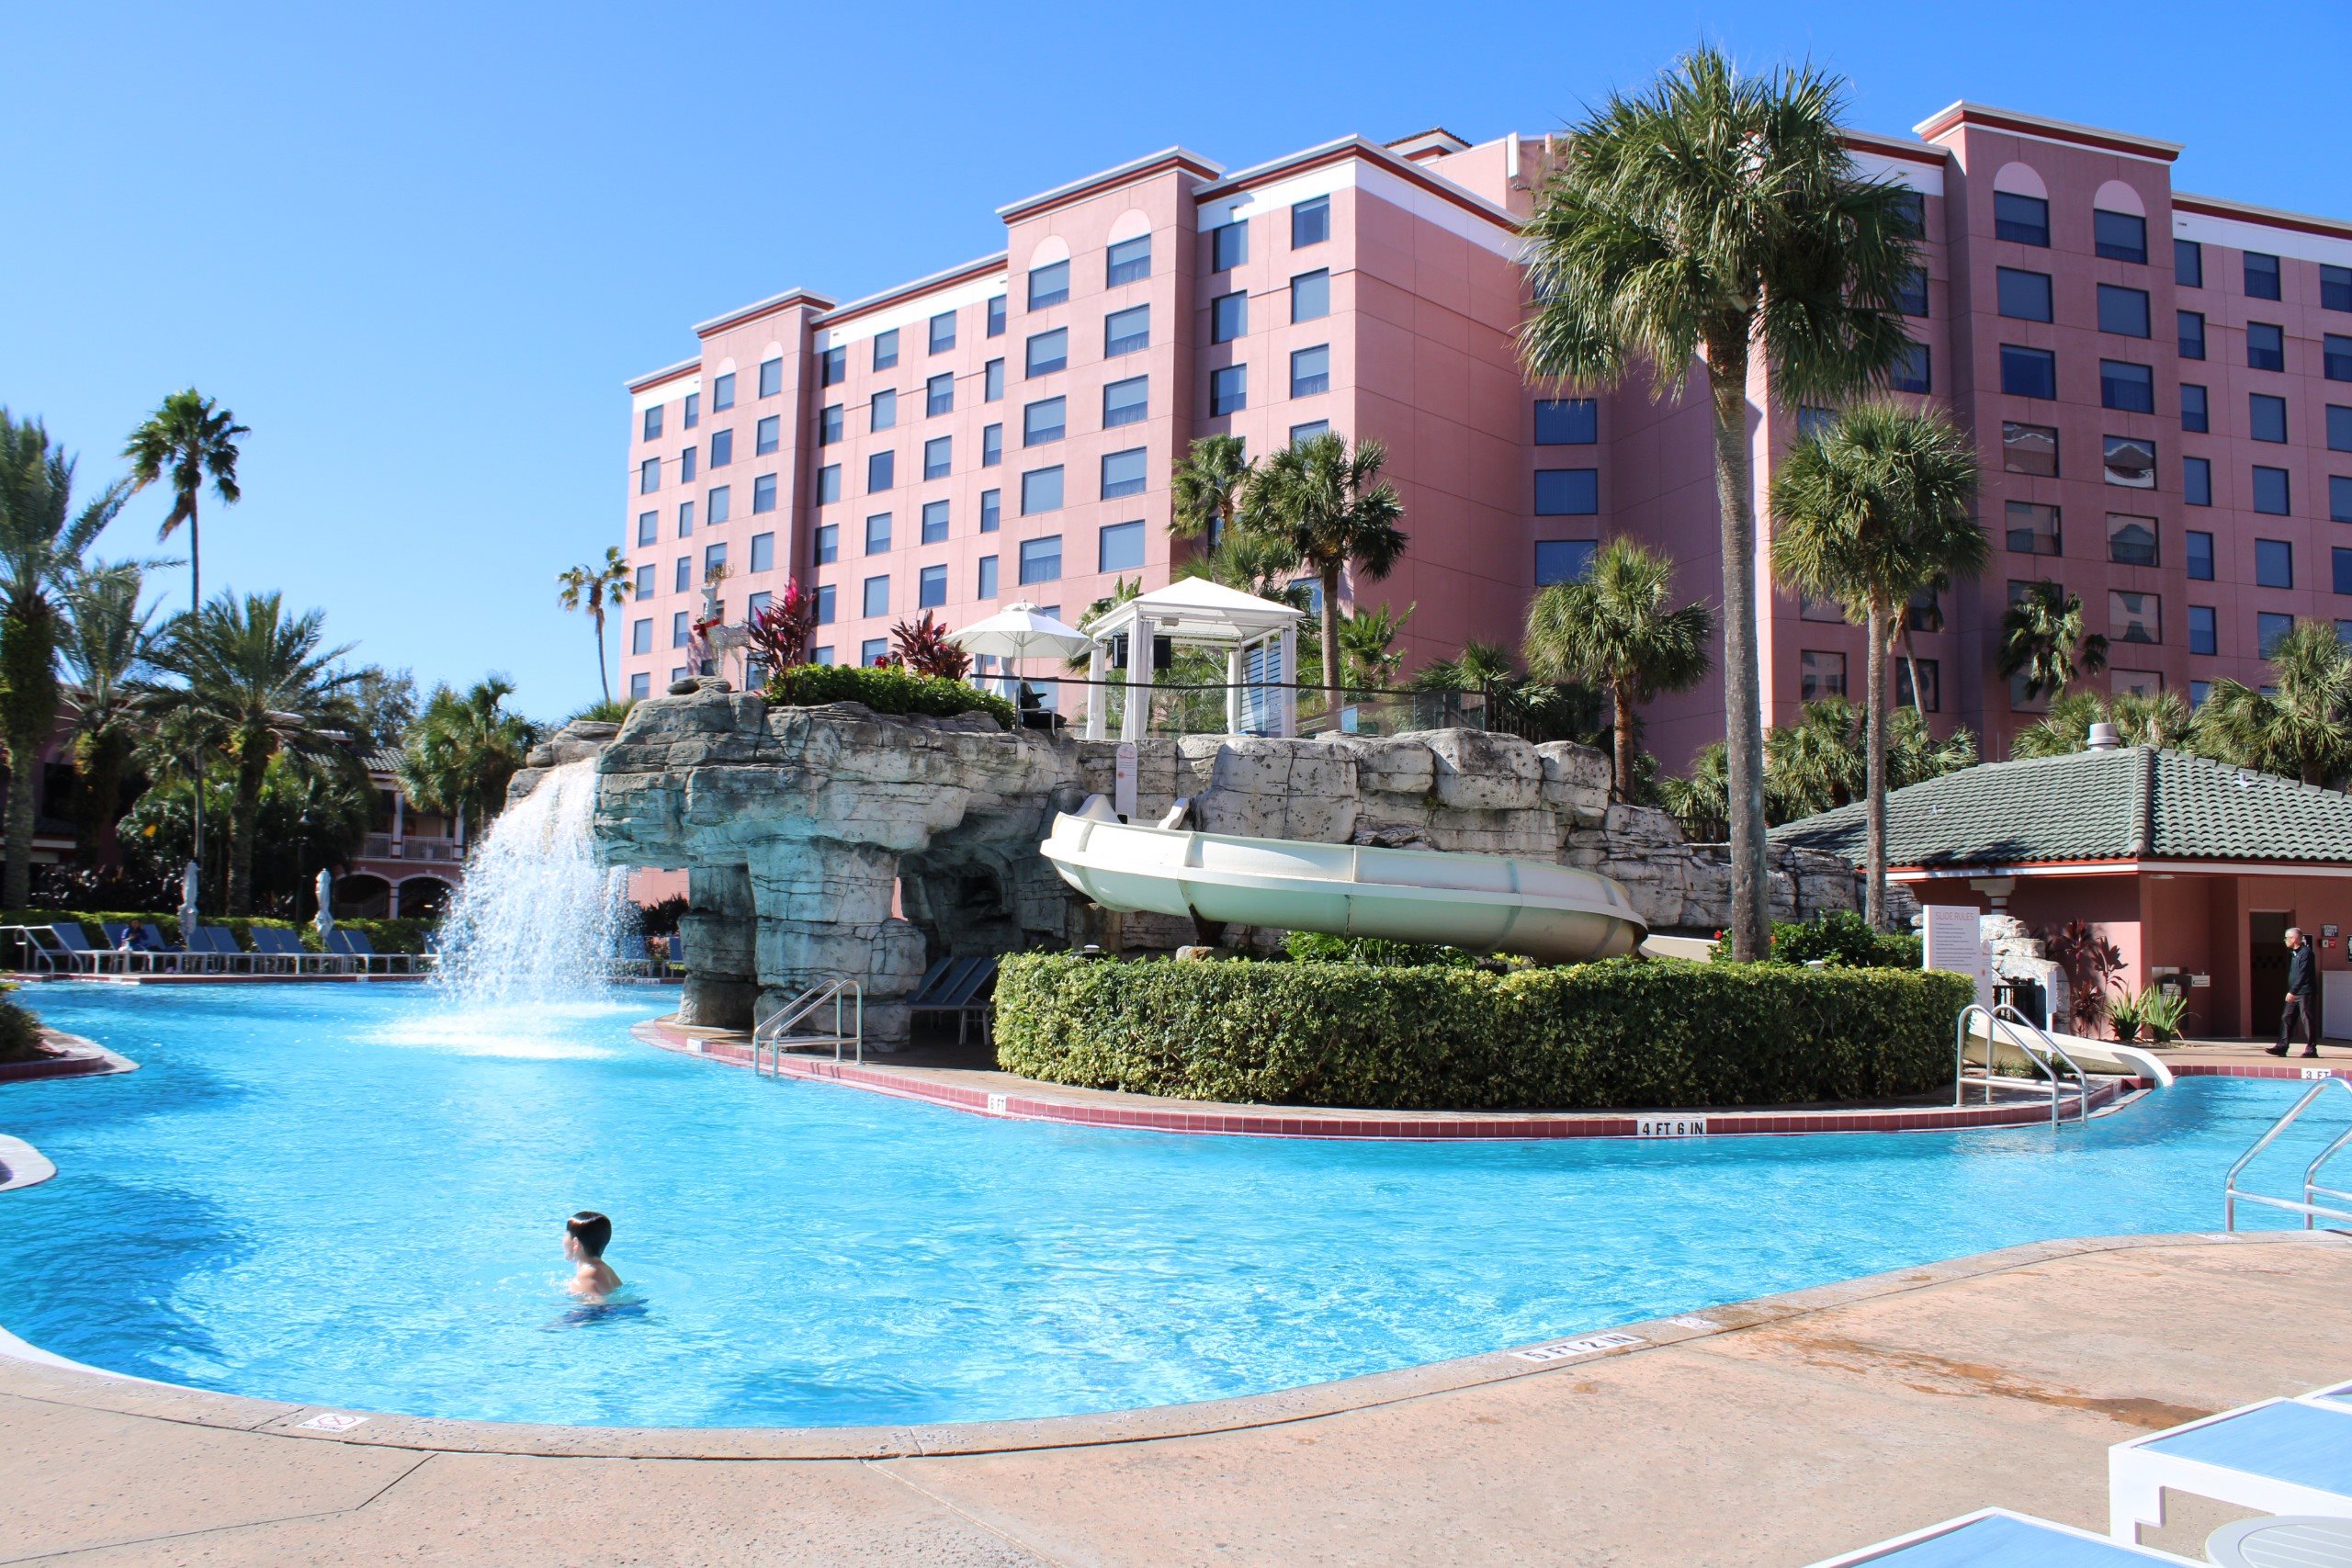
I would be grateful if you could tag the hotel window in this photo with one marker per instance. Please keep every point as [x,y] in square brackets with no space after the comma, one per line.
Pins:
[881,471]
[832,367]
[2193,414]
[992,381]
[827,547]
[885,350]
[2339,498]
[874,651]
[686,464]
[943,331]
[652,427]
[938,456]
[1044,420]
[1912,206]
[2334,288]
[2266,346]
[2024,219]
[2188,264]
[1826,609]
[1567,421]
[1310,295]
[1567,492]
[1041,490]
[648,527]
[939,395]
[2336,357]
[2200,556]
[984,587]
[682,575]
[930,588]
[2198,692]
[685,518]
[714,558]
[1309,430]
[771,377]
[681,629]
[646,586]
[648,475]
[2196,482]
[1048,352]
[991,510]
[2261,275]
[2274,563]
[767,436]
[764,552]
[996,316]
[1310,222]
[1910,372]
[1119,548]
[1127,401]
[1563,560]
[641,635]
[1812,421]
[640,686]
[828,483]
[882,412]
[1924,611]
[2025,296]
[2267,417]
[1126,331]
[934,522]
[2128,461]
[721,504]
[1228,246]
[877,594]
[2339,428]
[2029,448]
[1129,261]
[723,393]
[1930,698]
[2029,372]
[992,445]
[1048,285]
[2271,492]
[692,411]
[822,654]
[2270,629]
[1820,675]
[2124,312]
[1041,559]
[827,601]
[1228,316]
[1122,473]
[2130,541]
[2033,528]
[2119,236]
[877,534]
[2192,334]
[829,424]
[1229,389]
[1911,294]
[2204,630]
[1310,370]
[2340,563]
[722,448]
[764,493]
[756,605]
[2131,389]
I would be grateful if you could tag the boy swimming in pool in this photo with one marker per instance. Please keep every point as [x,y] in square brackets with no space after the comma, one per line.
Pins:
[586,1236]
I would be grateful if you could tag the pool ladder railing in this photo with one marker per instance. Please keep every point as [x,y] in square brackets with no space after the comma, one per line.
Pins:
[776,1034]
[2311,1208]
[2033,1041]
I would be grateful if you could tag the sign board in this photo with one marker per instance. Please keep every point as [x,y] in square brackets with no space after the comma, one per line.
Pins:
[1122,782]
[1670,1126]
[1954,942]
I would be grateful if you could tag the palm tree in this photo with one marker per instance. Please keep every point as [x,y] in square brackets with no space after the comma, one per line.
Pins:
[463,751]
[43,536]
[1713,219]
[591,588]
[2304,728]
[107,639]
[2163,719]
[1368,638]
[258,682]
[1612,627]
[1207,488]
[1868,511]
[1329,507]
[2042,639]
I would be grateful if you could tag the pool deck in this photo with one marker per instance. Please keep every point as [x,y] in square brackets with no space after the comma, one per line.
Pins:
[1773,1432]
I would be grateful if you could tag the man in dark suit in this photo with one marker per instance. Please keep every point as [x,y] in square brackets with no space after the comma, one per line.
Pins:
[2302,996]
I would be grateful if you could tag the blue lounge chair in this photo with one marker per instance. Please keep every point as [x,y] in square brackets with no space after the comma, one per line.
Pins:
[124,941]
[164,952]
[634,958]
[963,986]
[73,947]
[1995,1538]
[220,943]
[678,952]
[355,945]
[2282,1456]
[280,951]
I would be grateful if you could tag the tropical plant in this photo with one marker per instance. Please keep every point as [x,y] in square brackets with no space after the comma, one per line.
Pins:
[780,630]
[922,647]
[1515,705]
[1330,507]
[183,443]
[1711,221]
[615,711]
[1368,642]
[259,681]
[42,537]
[2042,640]
[107,639]
[315,810]
[1699,800]
[591,588]
[2162,719]
[463,751]
[1614,628]
[2301,724]
[386,703]
[885,689]
[1207,488]
[1813,765]
[1869,511]
[2090,961]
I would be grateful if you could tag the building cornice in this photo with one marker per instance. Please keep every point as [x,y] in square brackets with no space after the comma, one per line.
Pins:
[790,298]
[1356,146]
[1895,146]
[667,373]
[2016,124]
[905,291]
[1165,160]
[2269,217]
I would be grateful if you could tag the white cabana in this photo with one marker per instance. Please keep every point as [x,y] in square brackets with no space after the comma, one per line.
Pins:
[1195,610]
[1017,632]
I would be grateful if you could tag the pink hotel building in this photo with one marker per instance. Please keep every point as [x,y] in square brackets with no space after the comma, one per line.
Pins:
[2160,385]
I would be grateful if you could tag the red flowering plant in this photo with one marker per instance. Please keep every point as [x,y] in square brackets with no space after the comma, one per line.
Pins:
[779,633]
[922,647]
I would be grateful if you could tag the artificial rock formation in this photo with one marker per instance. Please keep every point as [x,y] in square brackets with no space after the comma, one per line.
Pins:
[832,841]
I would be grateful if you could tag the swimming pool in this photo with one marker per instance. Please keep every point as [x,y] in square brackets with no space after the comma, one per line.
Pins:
[354,1196]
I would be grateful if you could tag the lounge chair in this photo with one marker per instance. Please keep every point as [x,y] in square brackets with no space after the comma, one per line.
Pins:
[963,986]
[1992,1537]
[161,951]
[280,951]
[677,959]
[2281,1456]
[221,943]
[124,941]
[81,958]
[354,944]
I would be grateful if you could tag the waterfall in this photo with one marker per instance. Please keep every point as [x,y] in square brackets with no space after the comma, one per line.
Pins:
[539,915]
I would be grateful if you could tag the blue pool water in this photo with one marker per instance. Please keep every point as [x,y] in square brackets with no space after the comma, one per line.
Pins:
[352,1196]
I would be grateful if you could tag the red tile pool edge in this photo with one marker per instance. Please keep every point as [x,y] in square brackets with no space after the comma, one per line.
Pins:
[1287,1123]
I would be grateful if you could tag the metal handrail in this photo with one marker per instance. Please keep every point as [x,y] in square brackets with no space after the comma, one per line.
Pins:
[2003,1012]
[2308,1208]
[770,1036]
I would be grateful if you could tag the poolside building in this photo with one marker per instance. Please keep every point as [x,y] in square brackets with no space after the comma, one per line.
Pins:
[412,860]
[2160,385]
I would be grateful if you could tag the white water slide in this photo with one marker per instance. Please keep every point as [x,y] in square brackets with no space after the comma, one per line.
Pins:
[1482,903]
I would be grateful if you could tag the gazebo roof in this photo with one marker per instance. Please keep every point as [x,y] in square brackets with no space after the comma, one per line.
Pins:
[1194,609]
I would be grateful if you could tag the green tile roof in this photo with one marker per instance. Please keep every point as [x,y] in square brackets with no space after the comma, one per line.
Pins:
[2132,803]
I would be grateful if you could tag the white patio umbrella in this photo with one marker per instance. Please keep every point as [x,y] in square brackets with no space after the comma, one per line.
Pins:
[1020,631]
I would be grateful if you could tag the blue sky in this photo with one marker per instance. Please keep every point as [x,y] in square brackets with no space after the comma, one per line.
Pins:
[418,248]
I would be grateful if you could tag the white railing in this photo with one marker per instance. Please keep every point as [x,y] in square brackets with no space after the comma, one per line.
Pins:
[383,846]
[2044,1057]
[2310,1208]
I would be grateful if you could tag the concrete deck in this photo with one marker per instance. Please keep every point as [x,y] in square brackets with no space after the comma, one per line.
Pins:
[1774,1432]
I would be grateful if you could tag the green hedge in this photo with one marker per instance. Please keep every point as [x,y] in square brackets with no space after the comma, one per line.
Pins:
[887,689]
[1844,937]
[386,936]
[1625,1034]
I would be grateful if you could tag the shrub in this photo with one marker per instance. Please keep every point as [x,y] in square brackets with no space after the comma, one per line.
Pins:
[20,1033]
[1321,947]
[884,689]
[1622,1034]
[1844,937]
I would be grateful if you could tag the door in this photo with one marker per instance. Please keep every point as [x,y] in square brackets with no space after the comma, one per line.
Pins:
[2265,965]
